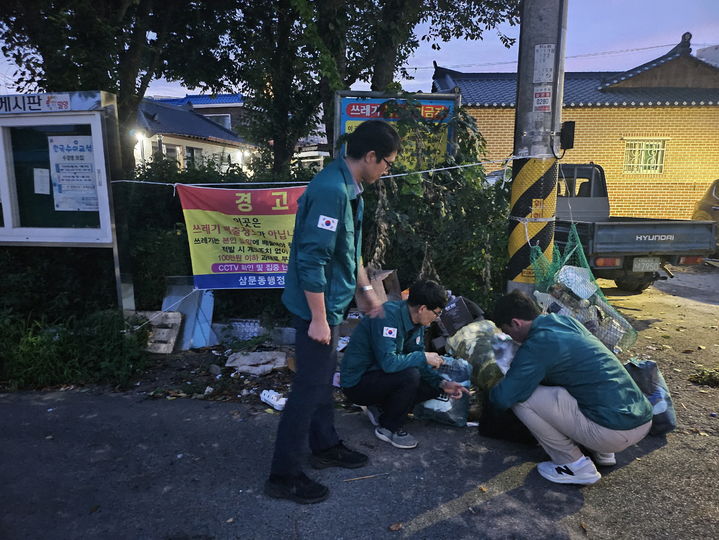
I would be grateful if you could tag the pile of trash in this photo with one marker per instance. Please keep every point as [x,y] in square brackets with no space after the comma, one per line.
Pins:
[565,285]
[575,293]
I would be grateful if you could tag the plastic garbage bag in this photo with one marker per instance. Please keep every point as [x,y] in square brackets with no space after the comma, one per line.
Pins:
[651,382]
[443,409]
[472,339]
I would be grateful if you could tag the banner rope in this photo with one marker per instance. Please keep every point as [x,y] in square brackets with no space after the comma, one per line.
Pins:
[504,161]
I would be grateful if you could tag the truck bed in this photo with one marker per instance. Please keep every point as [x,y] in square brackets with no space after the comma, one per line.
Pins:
[641,236]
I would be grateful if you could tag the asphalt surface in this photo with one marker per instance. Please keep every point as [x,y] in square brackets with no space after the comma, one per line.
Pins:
[85,464]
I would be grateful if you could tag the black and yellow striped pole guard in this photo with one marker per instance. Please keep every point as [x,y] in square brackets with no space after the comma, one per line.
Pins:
[533,205]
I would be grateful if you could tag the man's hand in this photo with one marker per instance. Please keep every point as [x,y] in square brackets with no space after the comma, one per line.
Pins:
[433,359]
[453,389]
[319,330]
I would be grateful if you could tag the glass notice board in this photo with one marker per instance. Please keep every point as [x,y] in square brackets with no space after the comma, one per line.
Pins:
[53,184]
[55,176]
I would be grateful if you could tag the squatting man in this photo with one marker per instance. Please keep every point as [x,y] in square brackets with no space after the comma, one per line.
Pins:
[386,368]
[569,390]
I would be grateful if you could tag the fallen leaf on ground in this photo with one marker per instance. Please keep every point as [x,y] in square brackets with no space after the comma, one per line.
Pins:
[483,489]
[395,527]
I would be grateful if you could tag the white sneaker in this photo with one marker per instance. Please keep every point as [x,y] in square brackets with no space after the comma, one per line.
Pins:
[604,459]
[581,471]
[273,399]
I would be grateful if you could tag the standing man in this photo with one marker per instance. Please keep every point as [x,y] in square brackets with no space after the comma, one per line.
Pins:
[324,271]
[569,390]
[386,368]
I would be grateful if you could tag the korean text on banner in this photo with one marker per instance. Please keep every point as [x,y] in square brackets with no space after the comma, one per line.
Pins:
[354,110]
[239,238]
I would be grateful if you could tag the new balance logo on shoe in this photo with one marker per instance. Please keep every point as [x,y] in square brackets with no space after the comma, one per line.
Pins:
[581,471]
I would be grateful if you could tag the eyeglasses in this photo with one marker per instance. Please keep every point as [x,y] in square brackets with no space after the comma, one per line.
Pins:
[388,164]
[437,312]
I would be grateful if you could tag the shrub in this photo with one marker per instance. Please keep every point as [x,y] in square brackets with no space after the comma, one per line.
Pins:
[99,348]
[448,225]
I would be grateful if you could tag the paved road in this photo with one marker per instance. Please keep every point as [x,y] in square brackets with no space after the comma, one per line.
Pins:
[86,465]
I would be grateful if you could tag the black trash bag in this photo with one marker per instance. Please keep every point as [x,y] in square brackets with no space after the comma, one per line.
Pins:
[503,425]
[651,382]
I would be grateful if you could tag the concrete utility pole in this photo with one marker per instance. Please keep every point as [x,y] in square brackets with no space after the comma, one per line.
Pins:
[540,88]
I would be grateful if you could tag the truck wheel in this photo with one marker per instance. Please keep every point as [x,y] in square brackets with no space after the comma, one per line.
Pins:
[633,283]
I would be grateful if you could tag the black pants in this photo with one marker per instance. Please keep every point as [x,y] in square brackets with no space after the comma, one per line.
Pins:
[309,410]
[396,393]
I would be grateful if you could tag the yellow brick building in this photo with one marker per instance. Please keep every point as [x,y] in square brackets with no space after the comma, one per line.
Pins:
[654,129]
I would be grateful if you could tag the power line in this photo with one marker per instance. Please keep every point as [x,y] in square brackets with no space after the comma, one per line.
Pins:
[585,55]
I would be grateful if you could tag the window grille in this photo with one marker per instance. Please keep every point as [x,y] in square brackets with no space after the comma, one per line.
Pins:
[644,156]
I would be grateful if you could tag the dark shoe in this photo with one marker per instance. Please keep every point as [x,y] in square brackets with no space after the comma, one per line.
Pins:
[299,488]
[338,456]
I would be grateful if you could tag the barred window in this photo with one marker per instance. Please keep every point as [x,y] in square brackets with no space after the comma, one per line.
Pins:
[644,156]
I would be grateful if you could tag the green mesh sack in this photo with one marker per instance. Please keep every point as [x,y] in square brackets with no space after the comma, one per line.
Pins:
[566,286]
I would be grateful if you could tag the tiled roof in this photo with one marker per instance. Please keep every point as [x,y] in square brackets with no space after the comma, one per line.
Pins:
[581,89]
[154,118]
[204,99]
[683,48]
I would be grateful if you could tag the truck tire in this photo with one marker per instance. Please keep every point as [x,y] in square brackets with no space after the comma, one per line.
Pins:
[633,283]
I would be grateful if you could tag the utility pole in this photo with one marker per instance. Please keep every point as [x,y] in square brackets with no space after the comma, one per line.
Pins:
[540,88]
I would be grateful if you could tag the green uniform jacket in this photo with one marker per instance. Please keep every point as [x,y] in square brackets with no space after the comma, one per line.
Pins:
[559,351]
[391,343]
[326,246]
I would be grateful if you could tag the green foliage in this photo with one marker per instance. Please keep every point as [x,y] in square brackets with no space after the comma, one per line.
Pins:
[98,348]
[449,225]
[56,283]
[706,377]
[120,47]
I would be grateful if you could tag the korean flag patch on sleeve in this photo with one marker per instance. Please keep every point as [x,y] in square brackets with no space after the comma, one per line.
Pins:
[389,332]
[327,223]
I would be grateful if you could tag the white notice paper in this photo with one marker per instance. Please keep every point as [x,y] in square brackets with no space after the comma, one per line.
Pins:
[72,163]
[41,178]
[543,63]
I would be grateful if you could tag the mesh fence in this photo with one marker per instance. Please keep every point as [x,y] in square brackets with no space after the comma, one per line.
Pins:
[566,286]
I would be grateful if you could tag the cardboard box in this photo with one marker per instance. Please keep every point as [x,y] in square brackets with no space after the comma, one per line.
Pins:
[385,284]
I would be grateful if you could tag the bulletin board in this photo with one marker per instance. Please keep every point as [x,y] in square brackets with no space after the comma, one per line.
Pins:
[53,170]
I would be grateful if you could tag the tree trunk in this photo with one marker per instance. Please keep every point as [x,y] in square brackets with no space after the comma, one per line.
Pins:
[332,28]
[396,22]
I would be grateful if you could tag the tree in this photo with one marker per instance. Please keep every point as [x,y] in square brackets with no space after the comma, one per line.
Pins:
[371,40]
[277,71]
[117,46]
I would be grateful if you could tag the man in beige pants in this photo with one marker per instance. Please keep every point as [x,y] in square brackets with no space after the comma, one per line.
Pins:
[568,389]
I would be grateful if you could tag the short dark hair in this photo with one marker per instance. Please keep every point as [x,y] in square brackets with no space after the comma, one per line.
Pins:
[372,135]
[515,305]
[427,293]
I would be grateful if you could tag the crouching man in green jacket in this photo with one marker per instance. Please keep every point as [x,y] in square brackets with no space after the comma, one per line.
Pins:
[568,389]
[385,366]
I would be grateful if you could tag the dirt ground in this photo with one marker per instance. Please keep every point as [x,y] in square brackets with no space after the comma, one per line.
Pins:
[677,322]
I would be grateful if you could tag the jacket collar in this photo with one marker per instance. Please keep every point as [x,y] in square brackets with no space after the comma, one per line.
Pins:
[407,323]
[354,189]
